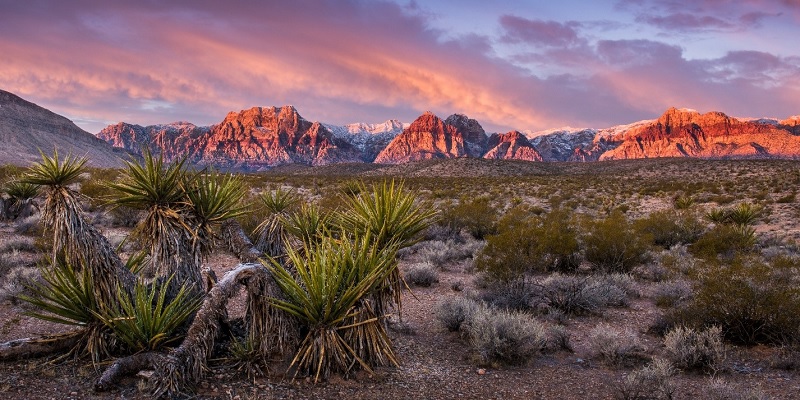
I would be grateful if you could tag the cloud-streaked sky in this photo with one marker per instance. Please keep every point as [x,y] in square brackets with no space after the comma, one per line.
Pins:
[526,65]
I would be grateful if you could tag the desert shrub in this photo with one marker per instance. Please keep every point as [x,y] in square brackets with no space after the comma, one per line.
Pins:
[651,382]
[742,214]
[584,295]
[751,300]
[670,227]
[125,216]
[422,274]
[612,245]
[528,243]
[678,259]
[615,347]
[519,294]
[719,389]
[16,281]
[452,312]
[724,240]
[559,338]
[477,216]
[504,337]
[689,349]
[95,191]
[672,293]
[652,271]
[440,252]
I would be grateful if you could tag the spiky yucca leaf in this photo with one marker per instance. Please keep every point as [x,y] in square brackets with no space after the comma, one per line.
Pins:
[308,224]
[151,183]
[147,321]
[65,297]
[212,198]
[330,279]
[54,172]
[270,233]
[21,191]
[389,213]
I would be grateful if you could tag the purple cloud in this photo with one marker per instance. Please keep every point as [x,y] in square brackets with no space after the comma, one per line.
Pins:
[537,32]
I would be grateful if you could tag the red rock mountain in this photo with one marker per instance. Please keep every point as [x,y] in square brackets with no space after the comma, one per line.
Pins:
[26,128]
[253,139]
[687,133]
[429,137]
[511,146]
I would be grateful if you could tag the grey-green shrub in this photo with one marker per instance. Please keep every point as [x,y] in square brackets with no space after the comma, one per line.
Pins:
[422,274]
[585,294]
[453,311]
[688,349]
[615,347]
[651,382]
[504,337]
[672,293]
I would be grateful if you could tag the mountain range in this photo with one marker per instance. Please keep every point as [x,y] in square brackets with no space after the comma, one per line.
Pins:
[261,138]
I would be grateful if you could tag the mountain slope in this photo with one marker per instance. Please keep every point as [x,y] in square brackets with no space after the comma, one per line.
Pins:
[687,133]
[26,128]
[511,146]
[428,137]
[253,139]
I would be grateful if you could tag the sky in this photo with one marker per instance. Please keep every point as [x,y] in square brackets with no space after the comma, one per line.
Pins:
[524,65]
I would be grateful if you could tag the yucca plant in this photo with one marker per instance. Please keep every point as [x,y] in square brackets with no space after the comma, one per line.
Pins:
[270,233]
[159,189]
[328,282]
[73,237]
[308,224]
[744,214]
[212,198]
[66,296]
[388,214]
[20,203]
[148,320]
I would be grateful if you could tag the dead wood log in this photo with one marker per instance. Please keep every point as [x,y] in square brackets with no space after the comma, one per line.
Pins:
[39,346]
[238,243]
[178,370]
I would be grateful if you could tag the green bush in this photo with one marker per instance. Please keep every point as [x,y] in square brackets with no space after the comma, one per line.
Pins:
[725,241]
[752,301]
[527,243]
[613,245]
[477,216]
[670,227]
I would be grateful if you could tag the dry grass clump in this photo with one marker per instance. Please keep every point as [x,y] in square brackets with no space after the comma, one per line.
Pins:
[690,349]
[719,389]
[651,382]
[615,347]
[16,282]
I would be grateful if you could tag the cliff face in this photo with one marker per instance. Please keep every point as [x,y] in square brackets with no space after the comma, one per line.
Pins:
[26,128]
[687,133]
[251,139]
[428,137]
[475,139]
[511,146]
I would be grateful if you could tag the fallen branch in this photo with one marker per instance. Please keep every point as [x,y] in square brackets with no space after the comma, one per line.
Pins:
[177,371]
[238,243]
[38,346]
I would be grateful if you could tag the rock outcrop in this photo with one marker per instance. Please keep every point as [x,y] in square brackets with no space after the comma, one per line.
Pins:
[475,139]
[687,133]
[511,146]
[253,139]
[26,128]
[428,137]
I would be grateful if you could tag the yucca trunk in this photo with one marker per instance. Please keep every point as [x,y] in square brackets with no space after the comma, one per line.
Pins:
[81,244]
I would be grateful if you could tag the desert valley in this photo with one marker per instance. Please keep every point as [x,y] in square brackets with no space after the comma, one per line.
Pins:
[656,260]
